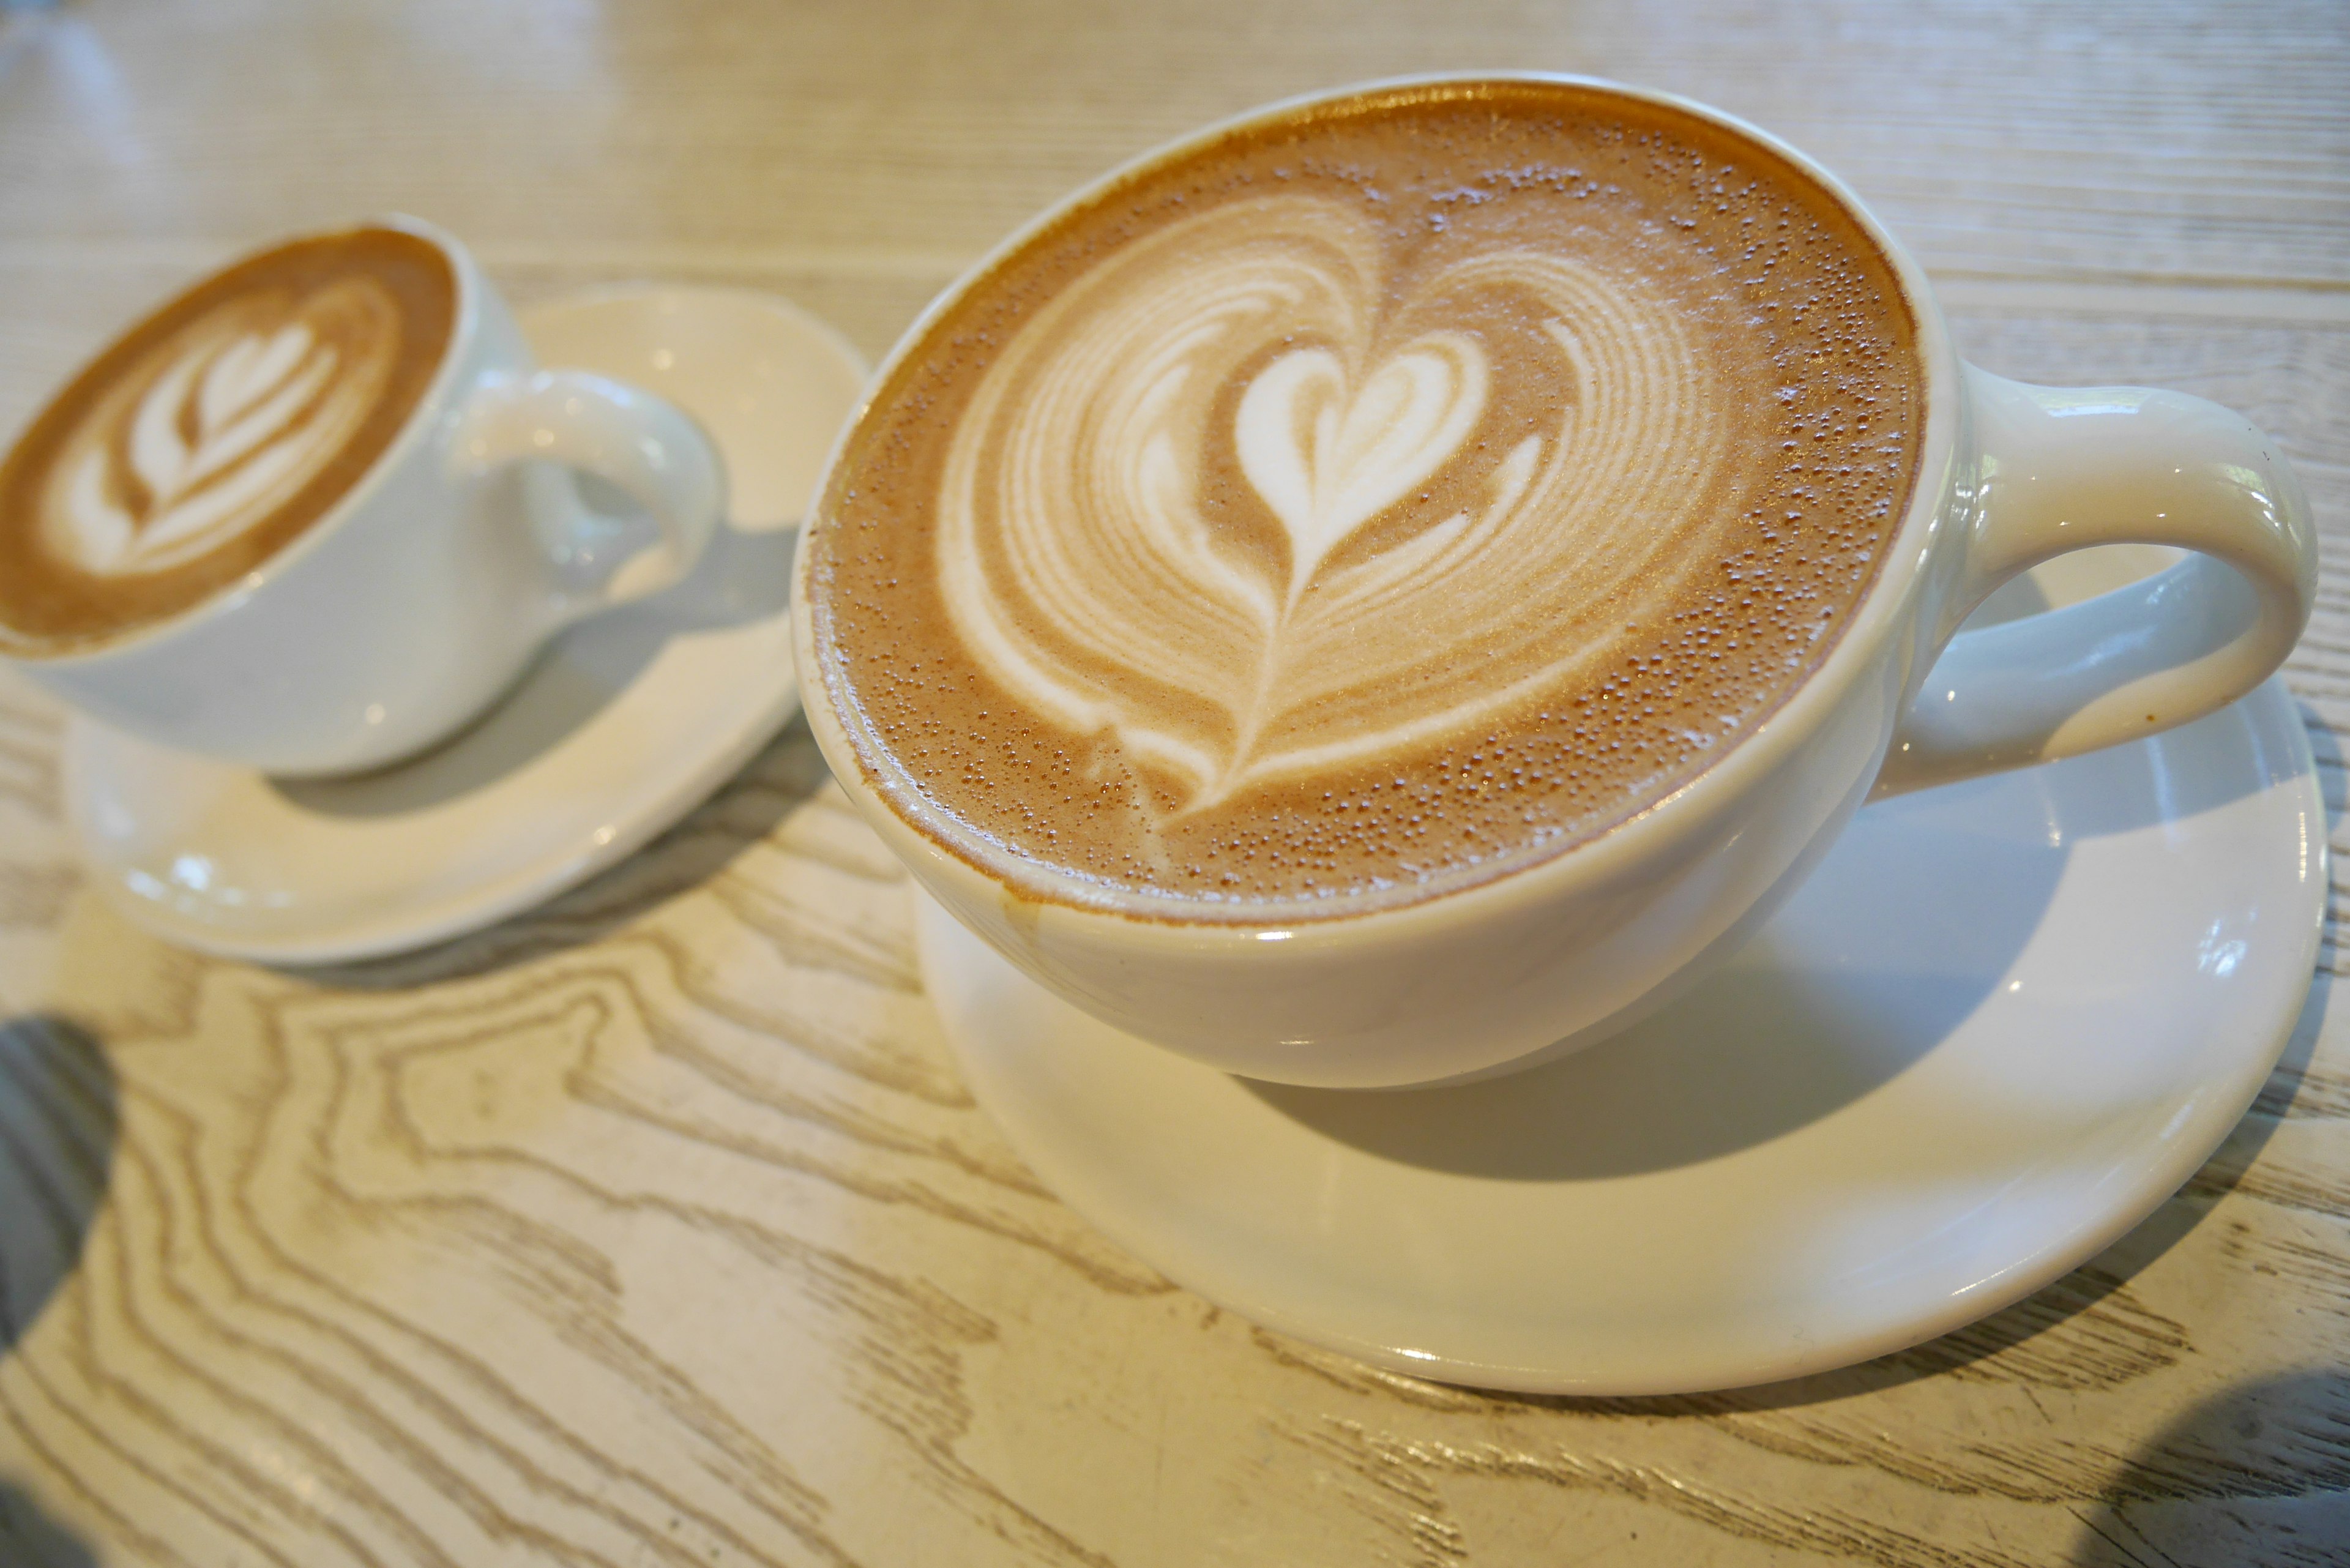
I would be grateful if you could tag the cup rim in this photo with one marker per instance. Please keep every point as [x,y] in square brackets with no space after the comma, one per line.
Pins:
[1638,840]
[230,597]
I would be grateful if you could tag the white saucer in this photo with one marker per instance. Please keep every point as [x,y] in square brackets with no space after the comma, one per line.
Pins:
[626,722]
[2002,1022]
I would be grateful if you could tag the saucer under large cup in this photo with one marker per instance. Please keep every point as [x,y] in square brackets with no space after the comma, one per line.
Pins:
[625,723]
[2001,1024]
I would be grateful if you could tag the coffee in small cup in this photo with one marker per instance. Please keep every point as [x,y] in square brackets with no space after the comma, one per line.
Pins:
[310,516]
[213,433]
[1365,503]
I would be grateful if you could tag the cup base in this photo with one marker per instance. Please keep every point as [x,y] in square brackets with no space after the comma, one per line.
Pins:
[1999,1026]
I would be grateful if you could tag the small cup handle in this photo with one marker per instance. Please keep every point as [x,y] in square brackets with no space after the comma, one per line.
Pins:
[2064,467]
[645,446]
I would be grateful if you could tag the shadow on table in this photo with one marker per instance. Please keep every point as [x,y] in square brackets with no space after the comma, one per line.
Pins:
[31,1538]
[58,1118]
[59,1124]
[2257,1476]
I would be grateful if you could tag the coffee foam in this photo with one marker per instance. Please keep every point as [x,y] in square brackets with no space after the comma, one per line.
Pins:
[1083,569]
[242,411]
[212,434]
[1365,506]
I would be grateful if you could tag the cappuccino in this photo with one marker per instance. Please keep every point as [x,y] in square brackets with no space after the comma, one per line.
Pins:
[1365,505]
[212,434]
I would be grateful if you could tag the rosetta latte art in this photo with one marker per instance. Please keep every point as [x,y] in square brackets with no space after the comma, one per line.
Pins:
[1422,535]
[232,419]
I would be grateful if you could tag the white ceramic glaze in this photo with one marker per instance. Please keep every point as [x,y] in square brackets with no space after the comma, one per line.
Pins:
[770,382]
[1554,957]
[624,725]
[424,592]
[1999,1025]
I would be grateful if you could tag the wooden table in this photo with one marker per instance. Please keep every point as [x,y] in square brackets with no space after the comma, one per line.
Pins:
[655,1228]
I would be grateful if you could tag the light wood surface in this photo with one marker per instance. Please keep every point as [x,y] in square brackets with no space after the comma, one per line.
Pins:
[655,1228]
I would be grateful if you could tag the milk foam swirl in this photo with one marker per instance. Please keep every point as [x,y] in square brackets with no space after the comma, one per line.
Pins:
[1412,552]
[231,419]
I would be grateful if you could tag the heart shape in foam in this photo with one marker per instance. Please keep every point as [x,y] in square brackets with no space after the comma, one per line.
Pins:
[1326,462]
[1094,566]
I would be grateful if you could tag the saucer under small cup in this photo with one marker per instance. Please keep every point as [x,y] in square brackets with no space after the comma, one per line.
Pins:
[625,723]
[2003,1023]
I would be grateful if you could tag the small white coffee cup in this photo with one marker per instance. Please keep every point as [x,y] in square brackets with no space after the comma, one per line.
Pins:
[1550,958]
[421,593]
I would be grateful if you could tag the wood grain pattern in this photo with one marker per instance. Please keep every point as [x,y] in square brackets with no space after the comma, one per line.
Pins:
[656,1228]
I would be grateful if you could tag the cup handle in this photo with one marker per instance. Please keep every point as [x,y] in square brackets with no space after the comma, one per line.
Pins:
[2063,468]
[646,447]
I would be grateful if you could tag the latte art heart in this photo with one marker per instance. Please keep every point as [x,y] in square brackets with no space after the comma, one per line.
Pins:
[1413,547]
[235,417]
[1362,504]
[1326,462]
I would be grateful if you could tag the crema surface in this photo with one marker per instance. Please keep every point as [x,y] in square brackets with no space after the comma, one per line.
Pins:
[214,432]
[1366,505]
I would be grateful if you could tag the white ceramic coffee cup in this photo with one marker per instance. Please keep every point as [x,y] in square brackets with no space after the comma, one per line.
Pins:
[1562,953]
[422,593]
